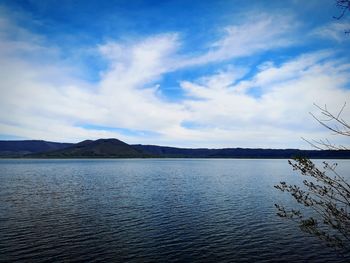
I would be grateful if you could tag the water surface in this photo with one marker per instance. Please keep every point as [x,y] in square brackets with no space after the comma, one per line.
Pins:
[151,210]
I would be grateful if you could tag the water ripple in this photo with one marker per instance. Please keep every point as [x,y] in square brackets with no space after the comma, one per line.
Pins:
[149,211]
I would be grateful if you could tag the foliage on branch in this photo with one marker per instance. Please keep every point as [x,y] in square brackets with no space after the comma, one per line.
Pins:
[324,191]
[327,196]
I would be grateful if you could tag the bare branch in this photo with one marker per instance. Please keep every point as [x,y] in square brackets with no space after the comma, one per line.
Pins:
[327,197]
[344,6]
[332,122]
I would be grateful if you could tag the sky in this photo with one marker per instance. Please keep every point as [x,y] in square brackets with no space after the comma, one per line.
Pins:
[213,74]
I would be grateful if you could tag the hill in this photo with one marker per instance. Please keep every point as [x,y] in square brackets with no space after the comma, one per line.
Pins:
[113,148]
[20,148]
[173,152]
[102,148]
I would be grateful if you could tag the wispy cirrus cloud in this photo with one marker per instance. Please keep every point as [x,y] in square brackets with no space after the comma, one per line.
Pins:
[274,102]
[124,98]
[334,31]
[258,33]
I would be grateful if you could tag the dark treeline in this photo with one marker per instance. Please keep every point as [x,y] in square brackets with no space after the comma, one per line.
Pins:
[113,148]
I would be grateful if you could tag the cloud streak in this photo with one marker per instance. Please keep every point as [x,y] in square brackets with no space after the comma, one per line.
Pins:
[258,33]
[275,102]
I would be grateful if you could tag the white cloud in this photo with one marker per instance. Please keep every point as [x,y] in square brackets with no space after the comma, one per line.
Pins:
[44,99]
[335,31]
[47,101]
[127,88]
[259,32]
[287,94]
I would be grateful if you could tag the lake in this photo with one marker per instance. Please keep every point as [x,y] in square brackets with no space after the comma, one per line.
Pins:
[151,210]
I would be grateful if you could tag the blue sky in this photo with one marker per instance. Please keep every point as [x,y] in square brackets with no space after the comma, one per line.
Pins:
[177,73]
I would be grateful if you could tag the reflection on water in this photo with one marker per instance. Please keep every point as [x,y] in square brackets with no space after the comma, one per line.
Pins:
[153,210]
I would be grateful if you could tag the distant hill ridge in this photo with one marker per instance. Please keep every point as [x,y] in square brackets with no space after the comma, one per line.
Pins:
[173,152]
[107,148]
[114,148]
[15,148]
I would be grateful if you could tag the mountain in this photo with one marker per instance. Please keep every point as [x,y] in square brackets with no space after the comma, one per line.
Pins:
[19,148]
[102,148]
[113,148]
[173,152]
